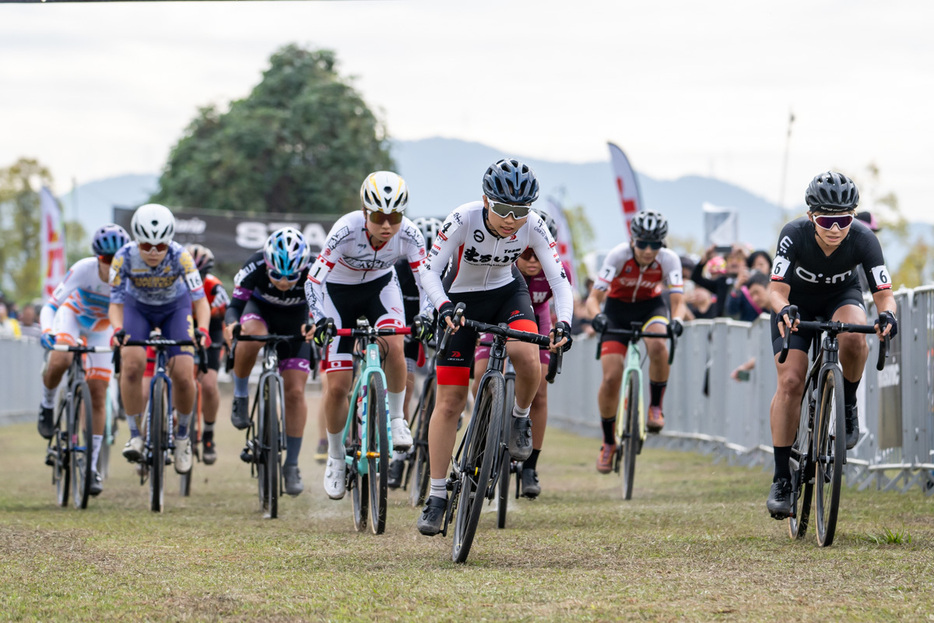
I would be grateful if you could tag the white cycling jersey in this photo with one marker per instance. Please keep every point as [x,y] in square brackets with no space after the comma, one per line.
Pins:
[84,293]
[348,257]
[483,261]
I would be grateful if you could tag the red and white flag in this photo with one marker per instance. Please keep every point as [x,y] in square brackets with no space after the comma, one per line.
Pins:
[52,242]
[626,184]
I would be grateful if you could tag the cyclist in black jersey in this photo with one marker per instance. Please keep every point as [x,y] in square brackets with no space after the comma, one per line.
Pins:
[814,275]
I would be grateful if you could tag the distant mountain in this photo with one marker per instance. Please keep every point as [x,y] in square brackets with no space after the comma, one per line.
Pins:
[444,173]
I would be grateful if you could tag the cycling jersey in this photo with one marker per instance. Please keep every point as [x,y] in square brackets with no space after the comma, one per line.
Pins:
[84,293]
[349,258]
[217,295]
[172,278]
[252,282]
[629,282]
[804,266]
[483,261]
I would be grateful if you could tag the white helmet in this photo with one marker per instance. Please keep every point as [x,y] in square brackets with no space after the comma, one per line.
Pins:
[153,223]
[384,191]
[429,226]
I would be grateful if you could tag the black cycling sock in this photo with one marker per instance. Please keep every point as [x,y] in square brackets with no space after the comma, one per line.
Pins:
[609,431]
[849,392]
[782,469]
[657,392]
[532,461]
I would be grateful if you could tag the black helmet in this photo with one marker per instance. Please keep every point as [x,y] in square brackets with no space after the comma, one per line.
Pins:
[649,225]
[510,181]
[831,192]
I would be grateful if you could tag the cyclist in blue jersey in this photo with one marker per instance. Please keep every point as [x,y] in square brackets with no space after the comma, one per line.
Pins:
[156,284]
[78,309]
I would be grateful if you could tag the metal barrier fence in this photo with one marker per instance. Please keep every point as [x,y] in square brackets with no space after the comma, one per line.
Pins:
[20,384]
[707,410]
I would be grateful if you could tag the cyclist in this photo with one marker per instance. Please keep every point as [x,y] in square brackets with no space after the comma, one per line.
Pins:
[218,299]
[429,227]
[78,309]
[630,282]
[540,292]
[155,284]
[814,275]
[485,238]
[268,299]
[353,277]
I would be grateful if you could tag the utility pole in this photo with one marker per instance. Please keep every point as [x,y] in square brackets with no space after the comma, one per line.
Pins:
[781,191]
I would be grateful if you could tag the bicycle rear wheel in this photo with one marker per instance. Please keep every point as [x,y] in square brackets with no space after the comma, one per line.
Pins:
[61,466]
[420,467]
[506,464]
[158,438]
[184,482]
[270,440]
[631,438]
[830,453]
[81,444]
[802,466]
[476,464]
[377,435]
[357,479]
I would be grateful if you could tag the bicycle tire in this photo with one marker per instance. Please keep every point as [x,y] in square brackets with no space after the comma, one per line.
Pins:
[271,445]
[631,438]
[61,467]
[158,434]
[377,424]
[81,444]
[184,480]
[357,480]
[506,463]
[830,453]
[421,466]
[477,464]
[802,466]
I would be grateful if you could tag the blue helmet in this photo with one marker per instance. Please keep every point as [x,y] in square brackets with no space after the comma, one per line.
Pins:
[108,239]
[510,181]
[286,251]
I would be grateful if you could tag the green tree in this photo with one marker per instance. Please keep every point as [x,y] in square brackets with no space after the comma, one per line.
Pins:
[582,238]
[20,261]
[301,142]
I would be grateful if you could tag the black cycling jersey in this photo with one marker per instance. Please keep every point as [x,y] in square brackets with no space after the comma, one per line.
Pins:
[252,282]
[804,266]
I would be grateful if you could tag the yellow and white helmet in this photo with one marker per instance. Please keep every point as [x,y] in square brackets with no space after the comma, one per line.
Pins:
[384,191]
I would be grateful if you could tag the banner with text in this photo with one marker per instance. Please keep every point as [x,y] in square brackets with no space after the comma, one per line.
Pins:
[626,185]
[51,242]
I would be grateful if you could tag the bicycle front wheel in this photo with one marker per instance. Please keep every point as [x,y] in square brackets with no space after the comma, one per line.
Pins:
[476,464]
[81,444]
[58,447]
[420,467]
[184,482]
[158,439]
[506,463]
[271,453]
[357,478]
[377,427]
[830,454]
[631,438]
[802,466]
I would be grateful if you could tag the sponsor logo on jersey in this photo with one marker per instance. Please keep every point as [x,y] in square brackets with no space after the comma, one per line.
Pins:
[806,275]
[478,235]
[473,256]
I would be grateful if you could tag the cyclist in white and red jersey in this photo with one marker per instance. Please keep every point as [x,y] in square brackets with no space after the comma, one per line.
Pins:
[814,275]
[155,283]
[352,277]
[78,309]
[630,282]
[485,238]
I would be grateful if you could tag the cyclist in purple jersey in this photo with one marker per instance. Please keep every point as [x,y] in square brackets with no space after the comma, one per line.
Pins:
[814,275]
[155,284]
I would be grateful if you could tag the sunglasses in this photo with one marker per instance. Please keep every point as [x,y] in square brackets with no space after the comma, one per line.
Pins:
[149,247]
[528,254]
[655,245]
[275,275]
[105,259]
[505,209]
[378,218]
[825,221]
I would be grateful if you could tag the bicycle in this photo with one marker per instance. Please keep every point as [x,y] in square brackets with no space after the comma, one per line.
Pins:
[477,462]
[367,433]
[509,465]
[818,453]
[416,459]
[631,430]
[265,437]
[185,480]
[159,441]
[70,448]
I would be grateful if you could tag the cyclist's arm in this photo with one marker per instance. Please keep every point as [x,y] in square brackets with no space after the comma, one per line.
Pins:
[115,314]
[449,239]
[202,312]
[779,293]
[547,251]
[594,303]
[884,301]
[314,287]
[678,308]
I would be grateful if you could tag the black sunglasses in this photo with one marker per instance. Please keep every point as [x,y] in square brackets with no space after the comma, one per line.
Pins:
[655,245]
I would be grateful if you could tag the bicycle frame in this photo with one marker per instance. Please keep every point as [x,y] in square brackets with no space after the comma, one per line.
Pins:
[371,365]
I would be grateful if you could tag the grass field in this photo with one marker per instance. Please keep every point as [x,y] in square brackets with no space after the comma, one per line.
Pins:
[695,543]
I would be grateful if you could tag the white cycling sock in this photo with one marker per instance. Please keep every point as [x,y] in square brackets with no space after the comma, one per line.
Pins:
[183,420]
[519,412]
[439,488]
[396,404]
[336,445]
[48,397]
[96,441]
[132,422]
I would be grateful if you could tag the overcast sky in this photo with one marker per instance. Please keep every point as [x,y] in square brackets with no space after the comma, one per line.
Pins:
[684,87]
